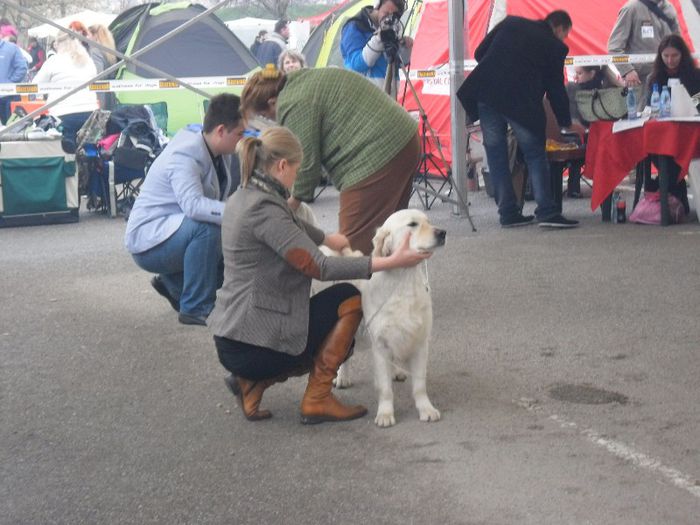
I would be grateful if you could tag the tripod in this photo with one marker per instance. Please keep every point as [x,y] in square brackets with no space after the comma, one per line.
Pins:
[422,184]
[427,165]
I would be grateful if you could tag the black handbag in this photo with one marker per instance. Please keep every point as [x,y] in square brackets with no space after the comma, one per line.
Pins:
[602,104]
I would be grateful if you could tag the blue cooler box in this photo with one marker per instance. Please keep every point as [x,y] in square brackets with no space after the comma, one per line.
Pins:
[38,184]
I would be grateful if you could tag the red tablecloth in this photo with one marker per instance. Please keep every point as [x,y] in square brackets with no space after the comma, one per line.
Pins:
[610,156]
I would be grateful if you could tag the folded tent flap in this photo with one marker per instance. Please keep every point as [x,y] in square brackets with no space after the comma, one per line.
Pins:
[36,177]
[33,185]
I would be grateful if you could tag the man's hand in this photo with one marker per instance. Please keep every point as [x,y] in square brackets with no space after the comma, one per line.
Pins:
[336,241]
[632,79]
[293,203]
[407,42]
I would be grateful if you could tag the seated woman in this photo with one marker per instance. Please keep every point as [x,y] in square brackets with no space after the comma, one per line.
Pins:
[70,64]
[266,328]
[673,60]
[585,77]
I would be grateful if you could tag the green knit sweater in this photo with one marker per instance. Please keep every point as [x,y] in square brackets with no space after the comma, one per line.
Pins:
[345,124]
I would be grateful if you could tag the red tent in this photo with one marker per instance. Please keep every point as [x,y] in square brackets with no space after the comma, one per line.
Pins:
[593,21]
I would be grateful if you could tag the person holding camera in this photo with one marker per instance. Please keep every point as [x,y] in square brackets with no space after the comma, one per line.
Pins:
[369,39]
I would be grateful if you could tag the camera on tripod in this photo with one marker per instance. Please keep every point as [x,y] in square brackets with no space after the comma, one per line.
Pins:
[389,30]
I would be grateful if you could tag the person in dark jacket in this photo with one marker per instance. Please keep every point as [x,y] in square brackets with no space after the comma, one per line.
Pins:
[259,39]
[269,50]
[38,55]
[520,61]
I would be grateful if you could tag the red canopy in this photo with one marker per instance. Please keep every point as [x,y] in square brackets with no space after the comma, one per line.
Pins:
[593,21]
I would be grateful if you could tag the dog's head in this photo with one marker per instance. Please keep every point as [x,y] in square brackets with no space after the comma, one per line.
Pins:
[424,236]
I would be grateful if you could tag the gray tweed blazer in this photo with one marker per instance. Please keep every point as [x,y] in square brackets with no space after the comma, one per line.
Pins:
[270,257]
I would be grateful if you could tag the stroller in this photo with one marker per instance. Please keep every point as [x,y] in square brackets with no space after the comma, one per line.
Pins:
[114,151]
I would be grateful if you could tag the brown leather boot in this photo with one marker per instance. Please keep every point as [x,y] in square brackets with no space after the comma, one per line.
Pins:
[249,394]
[319,404]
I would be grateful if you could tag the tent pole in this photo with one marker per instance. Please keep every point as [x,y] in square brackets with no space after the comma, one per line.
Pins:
[457,10]
[116,66]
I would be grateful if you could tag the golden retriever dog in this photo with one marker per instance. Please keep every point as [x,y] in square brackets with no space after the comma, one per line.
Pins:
[398,314]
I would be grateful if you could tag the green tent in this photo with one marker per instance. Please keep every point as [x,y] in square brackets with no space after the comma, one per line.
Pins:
[205,49]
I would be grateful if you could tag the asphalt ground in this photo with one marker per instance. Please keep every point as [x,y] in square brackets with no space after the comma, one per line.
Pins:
[112,412]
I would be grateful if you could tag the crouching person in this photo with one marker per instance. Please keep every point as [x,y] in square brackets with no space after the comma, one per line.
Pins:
[266,327]
[174,228]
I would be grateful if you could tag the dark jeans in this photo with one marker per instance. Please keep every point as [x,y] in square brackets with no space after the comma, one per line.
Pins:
[189,263]
[678,189]
[257,362]
[72,122]
[494,127]
[5,107]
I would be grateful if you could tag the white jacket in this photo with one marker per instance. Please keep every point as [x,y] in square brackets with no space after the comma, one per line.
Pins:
[60,69]
[181,182]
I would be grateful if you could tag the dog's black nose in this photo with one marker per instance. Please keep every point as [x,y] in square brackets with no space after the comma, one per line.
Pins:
[440,234]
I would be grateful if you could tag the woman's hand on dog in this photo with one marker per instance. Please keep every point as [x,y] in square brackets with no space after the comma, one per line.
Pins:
[336,241]
[403,257]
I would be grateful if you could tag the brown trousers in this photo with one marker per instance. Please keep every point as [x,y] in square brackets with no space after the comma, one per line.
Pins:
[366,205]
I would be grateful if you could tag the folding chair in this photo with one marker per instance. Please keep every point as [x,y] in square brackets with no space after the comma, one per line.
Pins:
[114,183]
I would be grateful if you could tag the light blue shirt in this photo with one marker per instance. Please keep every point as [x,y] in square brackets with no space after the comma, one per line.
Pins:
[182,182]
[13,66]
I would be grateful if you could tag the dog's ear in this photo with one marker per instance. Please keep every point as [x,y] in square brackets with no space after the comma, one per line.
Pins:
[382,242]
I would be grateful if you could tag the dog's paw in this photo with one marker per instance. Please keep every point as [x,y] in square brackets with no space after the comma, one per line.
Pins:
[342,379]
[429,414]
[342,382]
[385,419]
[399,376]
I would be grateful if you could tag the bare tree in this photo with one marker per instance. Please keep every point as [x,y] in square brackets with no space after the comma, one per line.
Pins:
[50,9]
[276,8]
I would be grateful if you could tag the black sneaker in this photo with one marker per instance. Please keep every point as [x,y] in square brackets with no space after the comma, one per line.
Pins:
[159,286]
[192,319]
[558,221]
[517,220]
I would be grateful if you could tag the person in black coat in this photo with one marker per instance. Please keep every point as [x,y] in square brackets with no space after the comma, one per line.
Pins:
[520,61]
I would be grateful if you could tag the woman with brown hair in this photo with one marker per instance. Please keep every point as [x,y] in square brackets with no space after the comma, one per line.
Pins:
[102,35]
[266,327]
[103,59]
[673,60]
[367,143]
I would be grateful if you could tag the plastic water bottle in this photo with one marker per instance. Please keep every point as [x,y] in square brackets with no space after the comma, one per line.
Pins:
[615,199]
[665,103]
[631,104]
[655,102]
